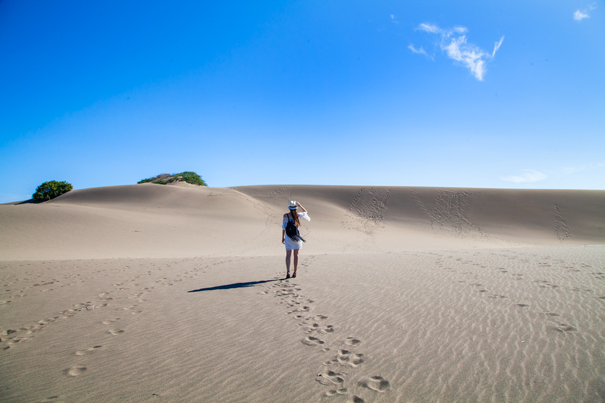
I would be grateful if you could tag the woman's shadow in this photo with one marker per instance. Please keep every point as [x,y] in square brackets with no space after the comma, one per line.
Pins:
[234,285]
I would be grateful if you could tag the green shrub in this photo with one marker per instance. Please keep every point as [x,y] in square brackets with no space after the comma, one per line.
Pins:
[187,176]
[191,177]
[50,190]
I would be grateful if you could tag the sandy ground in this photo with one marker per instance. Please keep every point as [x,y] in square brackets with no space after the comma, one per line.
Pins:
[176,294]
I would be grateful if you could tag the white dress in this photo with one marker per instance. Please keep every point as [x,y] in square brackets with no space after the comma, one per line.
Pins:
[291,244]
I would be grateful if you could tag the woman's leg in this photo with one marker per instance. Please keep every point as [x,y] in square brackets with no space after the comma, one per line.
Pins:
[288,254]
[295,261]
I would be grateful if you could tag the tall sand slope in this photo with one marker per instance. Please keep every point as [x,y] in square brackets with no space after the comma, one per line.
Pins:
[182,221]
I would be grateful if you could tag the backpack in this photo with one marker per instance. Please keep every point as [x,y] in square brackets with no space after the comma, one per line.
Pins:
[292,231]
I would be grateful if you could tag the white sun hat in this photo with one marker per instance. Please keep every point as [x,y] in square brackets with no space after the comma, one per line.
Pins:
[292,205]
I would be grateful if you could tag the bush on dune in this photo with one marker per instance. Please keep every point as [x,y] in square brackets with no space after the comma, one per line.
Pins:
[191,177]
[187,176]
[51,189]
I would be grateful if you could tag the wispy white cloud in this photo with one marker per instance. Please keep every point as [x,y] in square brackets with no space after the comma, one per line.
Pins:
[454,43]
[434,29]
[419,51]
[394,19]
[460,30]
[497,46]
[529,175]
[579,15]
[585,167]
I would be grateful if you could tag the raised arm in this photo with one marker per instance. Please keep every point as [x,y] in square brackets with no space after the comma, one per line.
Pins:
[301,207]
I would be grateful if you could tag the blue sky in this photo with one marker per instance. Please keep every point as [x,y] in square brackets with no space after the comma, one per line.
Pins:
[432,93]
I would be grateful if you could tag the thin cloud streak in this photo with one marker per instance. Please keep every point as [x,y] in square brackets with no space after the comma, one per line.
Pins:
[497,46]
[433,29]
[454,43]
[420,51]
[528,176]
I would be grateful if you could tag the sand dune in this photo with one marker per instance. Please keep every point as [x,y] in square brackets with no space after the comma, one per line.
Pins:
[176,294]
[173,221]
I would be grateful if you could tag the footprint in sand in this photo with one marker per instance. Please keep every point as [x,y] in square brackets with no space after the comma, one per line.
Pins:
[32,329]
[352,341]
[301,309]
[312,341]
[68,313]
[83,352]
[346,357]
[565,328]
[15,340]
[132,307]
[334,392]
[116,332]
[75,370]
[285,293]
[355,399]
[330,377]
[110,321]
[46,321]
[327,329]
[375,383]
[50,399]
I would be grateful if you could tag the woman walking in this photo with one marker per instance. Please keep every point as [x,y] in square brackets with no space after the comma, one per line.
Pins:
[293,245]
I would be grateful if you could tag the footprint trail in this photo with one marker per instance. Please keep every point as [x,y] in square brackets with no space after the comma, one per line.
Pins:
[340,371]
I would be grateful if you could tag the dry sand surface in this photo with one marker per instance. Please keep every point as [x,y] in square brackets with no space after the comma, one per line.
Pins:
[152,293]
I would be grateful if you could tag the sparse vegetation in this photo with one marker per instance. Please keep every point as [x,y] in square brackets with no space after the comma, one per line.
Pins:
[51,189]
[187,176]
[191,177]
